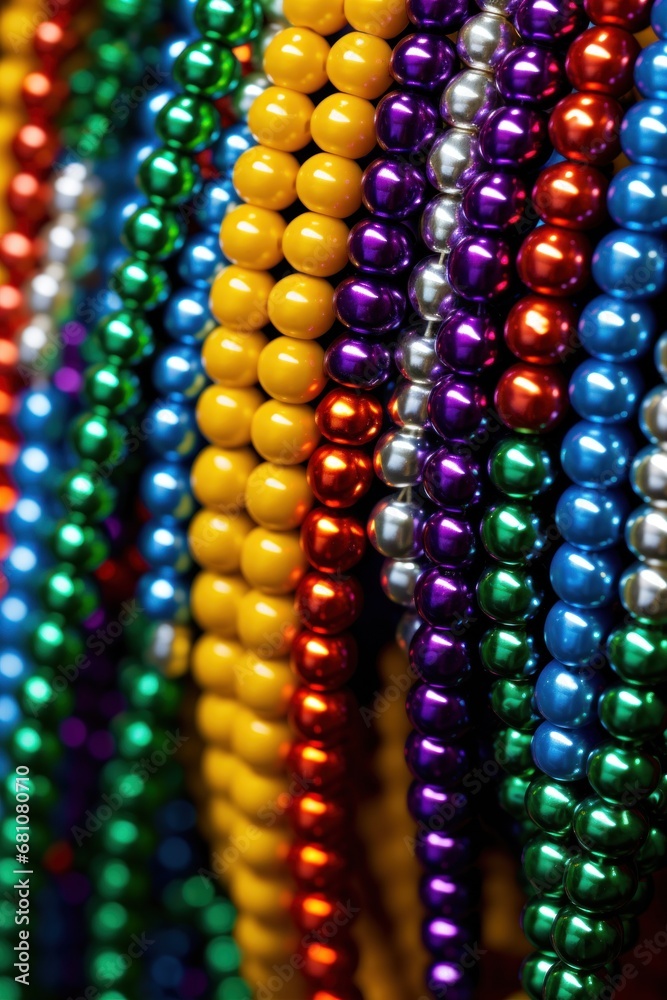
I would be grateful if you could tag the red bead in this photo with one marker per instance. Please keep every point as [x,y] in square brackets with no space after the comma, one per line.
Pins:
[572,195]
[531,400]
[8,493]
[42,95]
[29,199]
[602,60]
[315,817]
[326,604]
[324,662]
[13,313]
[634,15]
[554,261]
[312,911]
[586,127]
[9,355]
[333,544]
[19,255]
[54,39]
[331,964]
[347,417]
[322,717]
[10,443]
[339,476]
[315,866]
[316,767]
[343,993]
[540,330]
[35,148]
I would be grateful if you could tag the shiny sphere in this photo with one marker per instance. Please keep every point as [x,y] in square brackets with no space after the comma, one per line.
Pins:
[574,636]
[349,418]
[239,298]
[649,475]
[540,330]
[266,177]
[326,19]
[291,370]
[377,17]
[315,244]
[452,481]
[443,599]
[200,260]
[467,343]
[324,662]
[508,595]
[380,247]
[513,136]
[339,476]
[531,400]
[296,58]
[416,358]
[551,804]
[479,268]
[252,237]
[511,533]
[405,122]
[619,773]
[398,579]
[604,392]
[453,161]
[590,518]
[646,533]
[644,593]
[369,305]
[586,942]
[408,406]
[553,261]
[568,698]
[280,118]
[495,201]
[395,528]
[440,15]
[301,306]
[644,132]
[468,100]
[330,185]
[531,75]
[326,605]
[230,357]
[332,543]
[562,981]
[272,561]
[638,198]
[615,330]
[423,61]
[609,830]
[284,433]
[521,468]
[649,75]
[571,195]
[356,363]
[429,288]
[358,64]
[597,456]
[443,223]
[615,12]
[602,59]
[585,127]
[392,188]
[653,415]
[344,125]
[278,497]
[400,455]
[457,409]
[562,753]
[484,41]
[636,653]
[177,370]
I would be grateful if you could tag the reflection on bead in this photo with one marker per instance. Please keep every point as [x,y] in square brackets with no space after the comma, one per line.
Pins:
[395,528]
[591,519]
[562,753]
[574,635]
[469,99]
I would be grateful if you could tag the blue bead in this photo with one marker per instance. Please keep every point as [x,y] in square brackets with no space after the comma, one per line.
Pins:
[171,50]
[230,145]
[175,853]
[136,154]
[566,697]
[179,370]
[163,596]
[187,316]
[177,817]
[659,18]
[30,519]
[585,579]
[212,204]
[561,753]
[644,132]
[14,669]
[591,519]
[614,330]
[26,564]
[597,456]
[637,198]
[185,12]
[35,469]
[10,715]
[200,260]
[18,618]
[575,636]
[630,265]
[150,108]
[651,71]
[165,545]
[174,431]
[42,414]
[605,392]
[165,489]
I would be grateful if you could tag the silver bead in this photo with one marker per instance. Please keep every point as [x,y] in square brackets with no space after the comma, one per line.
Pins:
[443,223]
[49,290]
[408,406]
[453,161]
[429,289]
[644,592]
[653,415]
[400,455]
[60,238]
[661,356]
[406,629]
[398,578]
[395,527]
[469,99]
[646,533]
[649,475]
[503,7]
[69,187]
[416,358]
[160,644]
[250,87]
[39,345]
[484,40]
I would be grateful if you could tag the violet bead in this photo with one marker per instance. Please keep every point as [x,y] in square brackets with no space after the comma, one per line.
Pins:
[423,61]
[435,762]
[437,808]
[445,939]
[443,853]
[495,201]
[443,599]
[449,980]
[448,895]
[367,305]
[449,541]
[457,408]
[546,21]
[439,657]
[468,343]
[444,16]
[356,363]
[514,137]
[451,480]
[380,247]
[480,268]
[393,188]
[405,122]
[435,712]
[532,75]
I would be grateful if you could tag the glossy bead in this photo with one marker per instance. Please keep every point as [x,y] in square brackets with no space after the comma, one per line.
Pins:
[531,75]
[595,456]
[513,136]
[272,561]
[609,830]
[301,306]
[252,237]
[405,122]
[614,330]
[546,22]
[646,533]
[322,718]
[433,761]
[644,132]
[511,533]
[224,415]
[369,305]
[348,418]
[343,124]
[377,17]
[551,804]
[327,19]
[520,468]
[326,605]
[453,161]
[508,595]
[316,244]
[266,177]
[332,544]
[567,697]
[358,64]
[511,700]
[379,247]
[585,942]
[597,51]
[215,540]
[508,652]
[649,72]
[457,409]
[468,100]
[615,13]
[297,58]
[573,635]
[562,982]
[652,415]
[537,920]
[330,184]
[562,753]
[644,593]
[584,580]
[452,481]
[632,714]
[571,195]
[339,476]
[239,298]
[436,713]
[228,22]
[467,343]
[215,600]
[635,653]
[280,118]
[605,392]
[495,201]
[479,268]
[443,224]
[422,61]
[278,497]
[648,475]
[585,127]
[443,599]
[266,624]
[187,123]
[230,357]
[356,363]
[544,859]
[395,528]
[392,188]
[484,40]
[638,198]
[541,331]
[204,68]
[553,261]
[283,433]
[291,370]
[591,519]
[531,399]
[621,774]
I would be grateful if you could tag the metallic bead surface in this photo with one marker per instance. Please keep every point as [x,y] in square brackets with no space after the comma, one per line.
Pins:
[395,528]
[443,223]
[484,41]
[644,592]
[653,415]
[453,160]
[646,533]
[469,100]
[400,455]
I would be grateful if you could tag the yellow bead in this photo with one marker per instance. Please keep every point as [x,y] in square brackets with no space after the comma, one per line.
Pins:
[214,718]
[385,18]
[284,433]
[266,898]
[266,177]
[220,819]
[252,237]
[292,370]
[219,477]
[259,941]
[225,415]
[359,64]
[263,849]
[316,244]
[230,356]
[261,743]
[297,58]
[177,660]
[265,686]
[273,561]
[239,296]
[216,540]
[280,118]
[217,767]
[301,306]
[331,185]
[263,797]
[267,624]
[215,601]
[214,663]
[344,125]
[278,497]
[326,17]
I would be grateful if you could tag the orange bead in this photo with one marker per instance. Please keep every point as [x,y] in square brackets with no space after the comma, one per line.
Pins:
[602,59]
[346,417]
[554,261]
[572,195]
[324,662]
[540,330]
[531,400]
[586,128]
[326,605]
[332,543]
[339,476]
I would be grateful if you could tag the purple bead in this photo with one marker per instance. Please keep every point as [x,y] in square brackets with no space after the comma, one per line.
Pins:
[435,712]
[514,137]
[443,599]
[435,762]
[495,201]
[393,188]
[357,364]
[439,657]
[405,122]
[547,21]
[443,853]
[480,268]
[447,895]
[449,981]
[380,247]
[531,75]
[453,481]
[367,305]
[443,15]
[444,938]
[436,808]
[457,408]
[449,541]
[468,343]
[423,61]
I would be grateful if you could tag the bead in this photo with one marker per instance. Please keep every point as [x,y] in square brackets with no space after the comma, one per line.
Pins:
[368,305]
[615,13]
[234,141]
[644,132]
[614,330]
[511,533]
[479,267]
[648,475]
[332,543]
[644,593]
[531,399]
[398,578]
[508,652]
[187,123]
[495,201]
[541,331]
[452,481]
[224,415]
[200,260]
[564,983]
[252,237]
[283,433]
[512,137]
[585,127]
[205,68]
[429,288]
[597,456]
[631,713]
[571,195]
[574,636]
[591,519]
[653,416]
[443,599]
[468,100]
[344,125]
[399,457]
[553,261]
[435,712]
[167,177]
[215,198]
[230,357]
[511,700]
[583,941]
[392,188]
[339,476]
[537,920]
[395,528]
[405,122]
[457,409]
[531,75]
[297,58]
[187,317]
[266,177]
[272,561]
[646,533]
[551,804]
[509,596]
[330,185]
[609,830]
[379,247]
[467,342]
[448,541]
[605,392]
[602,60]
[377,17]
[484,41]
[649,72]
[322,719]
[408,406]
[239,298]
[301,306]
[453,161]
[416,358]
[316,244]
[280,118]
[326,605]
[348,418]
[266,624]
[278,497]
[215,540]
[219,477]
[565,697]
[327,19]
[546,21]
[584,580]
[423,61]
[214,601]
[443,223]
[621,774]
[358,64]
[562,753]
[324,662]
[291,370]
[520,468]
[435,762]
[228,22]
[357,364]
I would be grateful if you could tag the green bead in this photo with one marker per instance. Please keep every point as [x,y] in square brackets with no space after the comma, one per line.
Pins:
[521,468]
[508,652]
[47,696]
[80,544]
[119,777]
[638,654]
[34,746]
[632,714]
[652,855]
[112,388]
[657,800]
[218,917]
[621,774]
[613,831]
[511,533]
[508,595]
[599,885]
[134,734]
[222,956]
[512,794]
[584,940]
[131,12]
[230,21]
[563,983]
[512,751]
[168,177]
[512,700]
[54,645]
[148,690]
[188,123]
[125,335]
[69,595]
[108,920]
[233,988]
[205,67]
[537,920]
[122,836]
[551,804]
[153,232]
[98,439]
[534,972]
[109,966]
[83,492]
[140,284]
[544,859]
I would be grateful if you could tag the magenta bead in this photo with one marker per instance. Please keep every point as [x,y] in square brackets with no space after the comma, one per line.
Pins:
[449,541]
[445,939]
[457,409]
[451,480]
[514,137]
[425,62]
[380,247]
[495,201]
[480,268]
[547,21]
[393,188]
[443,599]
[367,305]
[405,122]
[435,762]
[437,808]
[435,712]
[356,363]
[441,852]
[449,980]
[439,657]
[443,16]
[531,75]
[449,895]
[468,343]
